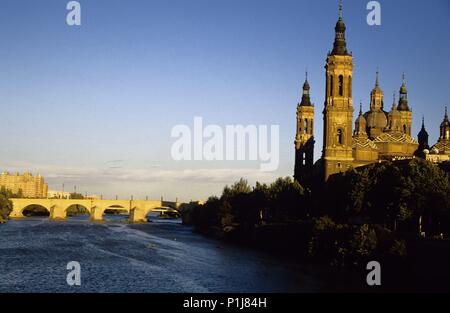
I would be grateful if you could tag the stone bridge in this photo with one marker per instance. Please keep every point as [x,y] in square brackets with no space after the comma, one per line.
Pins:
[137,209]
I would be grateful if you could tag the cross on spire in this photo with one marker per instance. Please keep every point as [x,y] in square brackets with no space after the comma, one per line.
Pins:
[377,84]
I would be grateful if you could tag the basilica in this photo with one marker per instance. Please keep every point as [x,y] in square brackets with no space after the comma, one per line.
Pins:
[383,133]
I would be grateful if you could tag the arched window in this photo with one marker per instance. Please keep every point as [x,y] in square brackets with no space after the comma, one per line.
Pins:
[340,137]
[331,86]
[447,134]
[404,129]
[305,128]
[350,86]
[341,85]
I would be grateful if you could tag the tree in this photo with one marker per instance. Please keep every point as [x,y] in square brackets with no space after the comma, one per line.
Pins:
[5,204]
[287,198]
[75,195]
[385,193]
[261,200]
[237,208]
[206,216]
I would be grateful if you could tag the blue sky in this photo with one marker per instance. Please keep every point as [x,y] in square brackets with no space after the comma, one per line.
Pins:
[94,105]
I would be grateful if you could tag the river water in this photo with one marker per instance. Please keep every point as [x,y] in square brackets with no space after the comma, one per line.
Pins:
[161,256]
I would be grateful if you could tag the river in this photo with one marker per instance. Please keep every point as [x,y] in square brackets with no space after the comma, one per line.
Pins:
[161,256]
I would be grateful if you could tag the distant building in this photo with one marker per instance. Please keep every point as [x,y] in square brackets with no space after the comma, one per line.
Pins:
[93,197]
[55,194]
[30,186]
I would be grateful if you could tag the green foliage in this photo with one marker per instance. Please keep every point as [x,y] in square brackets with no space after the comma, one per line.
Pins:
[353,217]
[5,207]
[341,244]
[287,199]
[388,192]
[364,241]
[6,204]
[327,241]
[75,195]
[243,208]
[206,216]
[398,248]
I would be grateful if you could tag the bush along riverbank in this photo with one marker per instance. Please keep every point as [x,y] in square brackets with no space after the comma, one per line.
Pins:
[6,204]
[394,213]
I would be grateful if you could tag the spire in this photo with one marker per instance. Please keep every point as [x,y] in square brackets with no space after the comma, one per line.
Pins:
[423,138]
[306,100]
[446,115]
[403,101]
[340,46]
[377,83]
[403,89]
[306,87]
[360,124]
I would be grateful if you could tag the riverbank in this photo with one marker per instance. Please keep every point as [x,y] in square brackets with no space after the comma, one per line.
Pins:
[423,266]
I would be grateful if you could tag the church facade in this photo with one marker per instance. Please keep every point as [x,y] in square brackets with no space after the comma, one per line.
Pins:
[382,133]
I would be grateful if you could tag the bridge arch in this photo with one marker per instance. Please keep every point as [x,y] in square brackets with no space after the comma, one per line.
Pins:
[163,212]
[116,212]
[35,210]
[76,209]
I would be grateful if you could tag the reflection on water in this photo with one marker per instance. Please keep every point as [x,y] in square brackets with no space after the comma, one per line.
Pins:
[160,256]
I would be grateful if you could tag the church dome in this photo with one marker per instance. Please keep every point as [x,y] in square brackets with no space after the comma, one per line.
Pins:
[360,124]
[376,119]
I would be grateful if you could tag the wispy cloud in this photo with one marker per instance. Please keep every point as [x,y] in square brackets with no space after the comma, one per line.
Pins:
[117,174]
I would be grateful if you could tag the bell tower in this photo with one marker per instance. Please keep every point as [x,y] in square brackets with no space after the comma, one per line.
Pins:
[338,112]
[304,139]
[445,128]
